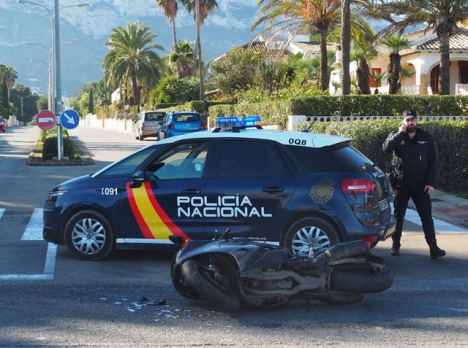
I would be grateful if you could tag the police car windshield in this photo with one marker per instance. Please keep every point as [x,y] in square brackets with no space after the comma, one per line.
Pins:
[127,165]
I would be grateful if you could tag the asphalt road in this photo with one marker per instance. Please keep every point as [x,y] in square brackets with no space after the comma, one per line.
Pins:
[128,300]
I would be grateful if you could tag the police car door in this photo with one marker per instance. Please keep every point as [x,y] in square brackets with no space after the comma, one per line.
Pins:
[248,190]
[172,192]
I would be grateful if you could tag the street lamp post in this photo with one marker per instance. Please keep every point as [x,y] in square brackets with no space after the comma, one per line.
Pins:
[54,17]
[50,97]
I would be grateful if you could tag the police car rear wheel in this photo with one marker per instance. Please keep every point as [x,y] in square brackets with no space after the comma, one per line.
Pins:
[310,231]
[89,235]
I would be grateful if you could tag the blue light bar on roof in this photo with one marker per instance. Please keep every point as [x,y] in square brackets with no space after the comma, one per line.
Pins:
[247,121]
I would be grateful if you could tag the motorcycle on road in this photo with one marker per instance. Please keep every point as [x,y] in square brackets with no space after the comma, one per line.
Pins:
[233,273]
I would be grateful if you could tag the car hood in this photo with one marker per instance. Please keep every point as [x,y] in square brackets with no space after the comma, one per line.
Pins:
[73,182]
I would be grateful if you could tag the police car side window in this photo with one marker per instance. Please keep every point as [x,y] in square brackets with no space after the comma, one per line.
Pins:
[244,159]
[183,161]
[317,160]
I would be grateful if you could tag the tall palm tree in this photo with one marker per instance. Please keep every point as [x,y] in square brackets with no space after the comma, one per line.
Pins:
[132,60]
[298,16]
[170,8]
[396,43]
[441,16]
[200,9]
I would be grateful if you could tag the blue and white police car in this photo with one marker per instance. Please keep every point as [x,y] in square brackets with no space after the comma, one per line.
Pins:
[292,188]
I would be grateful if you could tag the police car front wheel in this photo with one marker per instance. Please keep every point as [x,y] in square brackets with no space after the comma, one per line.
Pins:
[89,235]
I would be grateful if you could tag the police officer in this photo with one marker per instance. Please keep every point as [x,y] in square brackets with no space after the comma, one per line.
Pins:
[415,171]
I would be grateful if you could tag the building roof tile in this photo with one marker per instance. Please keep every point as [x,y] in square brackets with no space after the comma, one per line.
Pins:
[457,42]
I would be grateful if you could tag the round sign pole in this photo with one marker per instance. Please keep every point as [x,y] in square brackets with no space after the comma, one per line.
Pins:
[58,78]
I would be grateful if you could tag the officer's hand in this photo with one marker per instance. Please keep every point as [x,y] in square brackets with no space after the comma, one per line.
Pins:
[429,189]
[402,128]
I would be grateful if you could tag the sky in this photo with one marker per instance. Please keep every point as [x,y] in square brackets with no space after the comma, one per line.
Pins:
[86,30]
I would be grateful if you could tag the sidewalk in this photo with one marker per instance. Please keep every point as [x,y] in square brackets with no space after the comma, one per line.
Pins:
[448,208]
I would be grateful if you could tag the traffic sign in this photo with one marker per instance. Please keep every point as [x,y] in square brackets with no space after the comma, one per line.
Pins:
[69,119]
[45,120]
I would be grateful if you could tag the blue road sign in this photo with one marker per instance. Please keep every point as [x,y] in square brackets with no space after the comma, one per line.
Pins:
[69,119]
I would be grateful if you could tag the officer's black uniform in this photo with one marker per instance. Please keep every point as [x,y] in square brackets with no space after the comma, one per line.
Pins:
[414,165]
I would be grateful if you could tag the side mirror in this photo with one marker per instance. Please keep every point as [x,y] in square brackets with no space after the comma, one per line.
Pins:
[138,178]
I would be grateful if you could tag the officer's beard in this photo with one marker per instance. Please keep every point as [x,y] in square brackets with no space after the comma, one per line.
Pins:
[411,129]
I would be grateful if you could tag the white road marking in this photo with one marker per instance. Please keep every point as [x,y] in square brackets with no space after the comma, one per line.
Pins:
[33,231]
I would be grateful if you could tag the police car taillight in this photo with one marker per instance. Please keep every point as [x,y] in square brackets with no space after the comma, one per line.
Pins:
[354,186]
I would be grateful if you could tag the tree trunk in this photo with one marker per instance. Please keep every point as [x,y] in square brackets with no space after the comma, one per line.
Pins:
[174,36]
[324,80]
[444,78]
[136,90]
[199,52]
[363,76]
[345,47]
[394,72]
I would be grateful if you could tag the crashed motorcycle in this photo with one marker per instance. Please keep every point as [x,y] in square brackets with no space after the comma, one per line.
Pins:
[231,274]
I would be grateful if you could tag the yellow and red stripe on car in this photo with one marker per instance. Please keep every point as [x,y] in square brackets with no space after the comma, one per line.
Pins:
[152,219]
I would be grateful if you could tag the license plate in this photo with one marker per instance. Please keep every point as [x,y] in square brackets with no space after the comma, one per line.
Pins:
[383,204]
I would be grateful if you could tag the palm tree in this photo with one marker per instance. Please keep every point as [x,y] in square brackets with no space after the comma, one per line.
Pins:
[396,43]
[170,8]
[364,52]
[131,61]
[378,77]
[183,59]
[297,16]
[201,9]
[9,75]
[442,16]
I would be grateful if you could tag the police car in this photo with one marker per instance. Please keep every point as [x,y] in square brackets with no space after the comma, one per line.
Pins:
[291,188]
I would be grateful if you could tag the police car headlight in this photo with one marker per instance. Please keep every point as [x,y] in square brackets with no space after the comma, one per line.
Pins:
[57,193]
[57,198]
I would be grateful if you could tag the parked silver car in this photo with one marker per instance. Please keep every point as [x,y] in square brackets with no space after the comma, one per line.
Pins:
[147,123]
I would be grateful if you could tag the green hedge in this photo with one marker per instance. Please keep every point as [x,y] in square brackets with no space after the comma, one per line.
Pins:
[50,147]
[451,138]
[276,112]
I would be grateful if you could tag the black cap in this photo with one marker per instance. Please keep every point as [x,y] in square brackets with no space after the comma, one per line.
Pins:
[409,114]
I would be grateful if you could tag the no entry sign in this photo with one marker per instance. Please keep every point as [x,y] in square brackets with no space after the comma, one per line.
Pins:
[45,120]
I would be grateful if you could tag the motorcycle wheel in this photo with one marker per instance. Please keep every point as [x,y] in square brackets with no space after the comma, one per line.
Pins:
[361,279]
[207,288]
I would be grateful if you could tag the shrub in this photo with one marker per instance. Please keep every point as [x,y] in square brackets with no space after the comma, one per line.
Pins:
[50,147]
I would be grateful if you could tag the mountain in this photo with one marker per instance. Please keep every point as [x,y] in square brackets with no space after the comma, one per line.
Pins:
[83,32]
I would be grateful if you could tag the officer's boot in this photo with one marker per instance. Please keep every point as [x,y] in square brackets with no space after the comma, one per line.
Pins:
[436,252]
[395,251]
